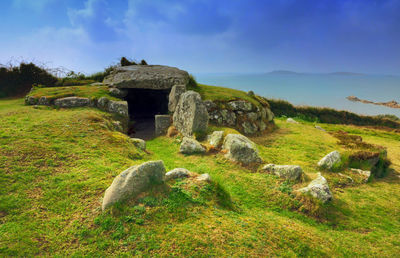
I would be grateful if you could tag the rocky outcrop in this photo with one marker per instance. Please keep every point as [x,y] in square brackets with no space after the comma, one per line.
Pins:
[156,77]
[289,172]
[174,95]
[240,114]
[215,139]
[134,181]
[330,160]
[191,114]
[71,102]
[118,93]
[191,146]
[177,173]
[318,188]
[239,148]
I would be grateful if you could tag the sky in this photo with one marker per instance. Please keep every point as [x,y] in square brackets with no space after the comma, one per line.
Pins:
[205,36]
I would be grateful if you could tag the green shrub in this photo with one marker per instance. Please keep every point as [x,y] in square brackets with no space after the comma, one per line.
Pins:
[125,62]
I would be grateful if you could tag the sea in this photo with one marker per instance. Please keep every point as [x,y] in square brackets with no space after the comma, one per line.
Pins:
[322,90]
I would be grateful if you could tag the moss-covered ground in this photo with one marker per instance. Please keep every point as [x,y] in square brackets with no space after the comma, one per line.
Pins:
[55,165]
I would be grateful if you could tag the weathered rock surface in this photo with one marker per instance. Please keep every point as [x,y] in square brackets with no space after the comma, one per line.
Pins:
[240,105]
[29,100]
[156,77]
[119,93]
[291,120]
[162,123]
[72,102]
[177,173]
[102,103]
[318,188]
[174,95]
[289,172]
[330,160]
[204,178]
[241,149]
[139,143]
[191,114]
[320,128]
[191,146]
[215,139]
[118,107]
[134,181]
[44,101]
[366,174]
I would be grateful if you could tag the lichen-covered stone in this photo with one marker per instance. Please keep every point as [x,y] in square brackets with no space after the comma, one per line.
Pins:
[215,139]
[44,101]
[174,95]
[119,93]
[318,188]
[177,173]
[204,178]
[330,160]
[118,107]
[240,105]
[139,143]
[30,100]
[134,181]
[291,120]
[249,127]
[191,146]
[70,102]
[102,103]
[239,148]
[190,114]
[155,77]
[289,172]
[162,123]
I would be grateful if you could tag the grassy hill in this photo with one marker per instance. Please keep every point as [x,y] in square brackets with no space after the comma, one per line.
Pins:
[55,165]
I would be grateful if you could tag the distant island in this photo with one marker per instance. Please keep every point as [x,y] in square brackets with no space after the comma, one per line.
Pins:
[391,104]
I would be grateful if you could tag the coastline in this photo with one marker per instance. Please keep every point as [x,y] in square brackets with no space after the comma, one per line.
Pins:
[390,104]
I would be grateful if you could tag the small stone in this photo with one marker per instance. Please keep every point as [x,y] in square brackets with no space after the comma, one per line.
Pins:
[320,128]
[290,172]
[318,188]
[330,160]
[239,148]
[191,146]
[215,139]
[139,143]
[204,178]
[291,120]
[162,123]
[177,173]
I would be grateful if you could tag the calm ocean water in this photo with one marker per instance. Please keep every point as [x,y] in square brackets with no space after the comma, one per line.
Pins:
[317,89]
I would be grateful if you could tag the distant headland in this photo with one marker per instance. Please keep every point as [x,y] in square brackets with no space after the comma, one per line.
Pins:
[391,104]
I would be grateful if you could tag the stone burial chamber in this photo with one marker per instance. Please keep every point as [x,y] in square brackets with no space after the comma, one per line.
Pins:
[147,90]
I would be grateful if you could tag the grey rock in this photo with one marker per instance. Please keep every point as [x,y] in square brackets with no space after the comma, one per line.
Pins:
[134,181]
[228,117]
[118,126]
[118,107]
[216,117]
[253,116]
[270,115]
[44,101]
[191,114]
[240,105]
[291,120]
[330,160]
[349,179]
[177,173]
[97,84]
[139,143]
[162,122]
[204,178]
[119,93]
[215,139]
[174,95]
[318,188]
[210,105]
[289,172]
[102,103]
[262,126]
[191,146]
[249,127]
[366,174]
[320,128]
[70,102]
[156,77]
[29,100]
[241,149]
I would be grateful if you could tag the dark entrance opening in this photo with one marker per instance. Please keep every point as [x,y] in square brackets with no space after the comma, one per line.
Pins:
[143,105]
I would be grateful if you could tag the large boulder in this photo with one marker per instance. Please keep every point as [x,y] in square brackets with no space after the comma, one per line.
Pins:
[70,102]
[134,181]
[318,188]
[239,148]
[174,95]
[289,172]
[190,114]
[155,77]
[118,107]
[191,146]
[330,160]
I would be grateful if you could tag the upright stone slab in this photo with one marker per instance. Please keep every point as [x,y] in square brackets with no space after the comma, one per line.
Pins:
[162,122]
[174,95]
[191,114]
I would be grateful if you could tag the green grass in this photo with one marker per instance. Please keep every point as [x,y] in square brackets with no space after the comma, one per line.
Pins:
[56,164]
[88,91]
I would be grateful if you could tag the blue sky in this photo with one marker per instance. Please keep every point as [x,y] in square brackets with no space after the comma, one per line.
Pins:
[205,35]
